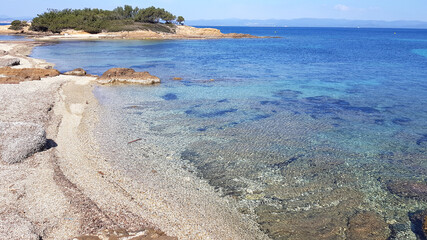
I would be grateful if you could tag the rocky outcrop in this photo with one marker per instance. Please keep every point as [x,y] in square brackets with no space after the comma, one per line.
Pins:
[20,140]
[76,72]
[7,62]
[368,226]
[192,32]
[127,75]
[15,75]
[409,189]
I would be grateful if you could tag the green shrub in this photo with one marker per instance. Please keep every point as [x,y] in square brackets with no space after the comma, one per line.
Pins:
[18,25]
[95,20]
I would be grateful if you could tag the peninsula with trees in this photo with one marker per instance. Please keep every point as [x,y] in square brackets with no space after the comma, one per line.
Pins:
[124,22]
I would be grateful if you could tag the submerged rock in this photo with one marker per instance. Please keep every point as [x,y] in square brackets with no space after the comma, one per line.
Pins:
[368,226]
[419,223]
[177,78]
[7,62]
[127,75]
[20,140]
[76,72]
[14,75]
[409,189]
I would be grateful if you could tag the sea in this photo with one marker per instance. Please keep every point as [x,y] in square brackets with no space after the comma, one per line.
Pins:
[311,131]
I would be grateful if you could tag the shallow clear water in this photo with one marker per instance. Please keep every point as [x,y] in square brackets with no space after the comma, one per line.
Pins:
[13,38]
[303,130]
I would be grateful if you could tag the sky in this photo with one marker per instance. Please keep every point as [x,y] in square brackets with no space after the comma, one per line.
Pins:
[387,10]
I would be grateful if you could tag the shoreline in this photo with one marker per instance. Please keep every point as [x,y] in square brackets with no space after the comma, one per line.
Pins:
[70,189]
[182,32]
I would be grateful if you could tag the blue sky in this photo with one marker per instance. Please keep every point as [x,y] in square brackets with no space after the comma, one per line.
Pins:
[246,9]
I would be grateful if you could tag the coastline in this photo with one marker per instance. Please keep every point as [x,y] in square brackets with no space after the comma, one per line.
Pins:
[182,32]
[70,189]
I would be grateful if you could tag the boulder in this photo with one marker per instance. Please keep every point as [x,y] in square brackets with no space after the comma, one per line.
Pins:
[409,189]
[419,223]
[367,226]
[15,75]
[7,62]
[76,72]
[3,53]
[20,140]
[127,75]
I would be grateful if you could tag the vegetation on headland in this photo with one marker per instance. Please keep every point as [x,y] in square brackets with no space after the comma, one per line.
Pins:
[18,25]
[96,20]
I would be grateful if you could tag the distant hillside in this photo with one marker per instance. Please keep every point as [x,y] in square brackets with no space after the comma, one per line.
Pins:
[309,22]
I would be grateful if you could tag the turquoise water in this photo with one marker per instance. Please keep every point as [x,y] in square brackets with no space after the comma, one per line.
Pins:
[303,130]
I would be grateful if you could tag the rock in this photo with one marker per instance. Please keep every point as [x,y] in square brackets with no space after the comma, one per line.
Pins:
[127,75]
[367,226]
[3,53]
[177,78]
[14,75]
[7,62]
[419,223]
[409,189]
[20,140]
[76,72]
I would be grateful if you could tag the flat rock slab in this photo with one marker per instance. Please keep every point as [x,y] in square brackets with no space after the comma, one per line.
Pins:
[13,75]
[76,72]
[8,62]
[408,189]
[127,75]
[19,140]
[368,226]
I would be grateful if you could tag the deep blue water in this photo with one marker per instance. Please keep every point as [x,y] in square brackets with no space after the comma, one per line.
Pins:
[315,123]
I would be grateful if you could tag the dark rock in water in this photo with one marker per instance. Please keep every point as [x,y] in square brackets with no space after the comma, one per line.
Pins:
[401,121]
[419,223]
[409,189]
[189,155]
[170,96]
[8,62]
[203,129]
[367,226]
[218,113]
[379,121]
[276,103]
[285,163]
[327,100]
[260,117]
[361,109]
[287,94]
[422,139]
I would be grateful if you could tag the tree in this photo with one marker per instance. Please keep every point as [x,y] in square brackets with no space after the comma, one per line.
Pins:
[18,25]
[180,20]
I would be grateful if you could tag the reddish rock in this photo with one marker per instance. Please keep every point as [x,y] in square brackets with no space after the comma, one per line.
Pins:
[177,78]
[127,75]
[17,75]
[409,189]
[76,72]
[367,226]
